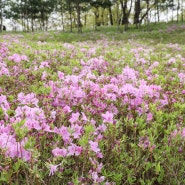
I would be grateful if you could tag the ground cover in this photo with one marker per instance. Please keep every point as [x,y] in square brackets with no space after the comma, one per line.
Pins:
[108,109]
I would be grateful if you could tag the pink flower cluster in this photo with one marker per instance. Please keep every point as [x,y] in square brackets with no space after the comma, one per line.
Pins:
[18,58]
[12,148]
[74,113]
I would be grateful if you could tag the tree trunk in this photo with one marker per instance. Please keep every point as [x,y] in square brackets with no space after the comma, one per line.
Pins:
[85,20]
[62,15]
[22,18]
[110,16]
[145,14]
[158,12]
[32,23]
[102,17]
[137,11]
[78,17]
[124,13]
[70,17]
[42,19]
[1,27]
[172,11]
[182,11]
[117,13]
[178,7]
[46,24]
[27,22]
[96,15]
[128,14]
[24,22]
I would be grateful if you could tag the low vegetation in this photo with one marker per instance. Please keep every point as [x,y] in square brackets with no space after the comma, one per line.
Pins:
[94,108]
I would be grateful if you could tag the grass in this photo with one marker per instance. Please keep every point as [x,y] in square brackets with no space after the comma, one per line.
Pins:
[159,33]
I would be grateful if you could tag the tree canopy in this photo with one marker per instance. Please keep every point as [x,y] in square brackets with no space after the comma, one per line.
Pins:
[37,15]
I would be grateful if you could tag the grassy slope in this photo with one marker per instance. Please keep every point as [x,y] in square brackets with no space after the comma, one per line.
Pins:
[159,33]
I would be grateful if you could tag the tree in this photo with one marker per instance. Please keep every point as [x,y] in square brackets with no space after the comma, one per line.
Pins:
[125,12]
[45,9]
[182,11]
[102,5]
[137,11]
[78,5]
[178,8]
[28,11]
[2,6]
[61,9]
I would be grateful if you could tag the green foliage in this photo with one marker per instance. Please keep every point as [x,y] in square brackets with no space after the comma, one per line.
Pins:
[85,138]
[126,160]
[20,131]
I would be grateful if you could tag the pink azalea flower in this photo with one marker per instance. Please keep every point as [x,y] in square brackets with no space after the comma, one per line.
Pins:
[183,132]
[67,109]
[53,169]
[71,149]
[24,57]
[99,155]
[74,150]
[63,131]
[28,99]
[84,118]
[44,75]
[15,57]
[74,117]
[60,75]
[102,128]
[53,115]
[78,150]
[149,116]
[77,131]
[94,146]
[99,167]
[4,103]
[96,178]
[57,152]
[44,64]
[108,117]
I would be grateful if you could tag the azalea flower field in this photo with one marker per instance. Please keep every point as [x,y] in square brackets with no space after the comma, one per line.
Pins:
[100,112]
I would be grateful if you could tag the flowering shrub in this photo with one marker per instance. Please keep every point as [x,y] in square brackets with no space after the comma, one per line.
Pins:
[86,113]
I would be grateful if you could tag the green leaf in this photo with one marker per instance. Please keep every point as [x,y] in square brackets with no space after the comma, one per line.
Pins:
[17,165]
[158,168]
[83,141]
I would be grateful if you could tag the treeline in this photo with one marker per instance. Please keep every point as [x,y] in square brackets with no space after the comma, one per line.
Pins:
[37,14]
